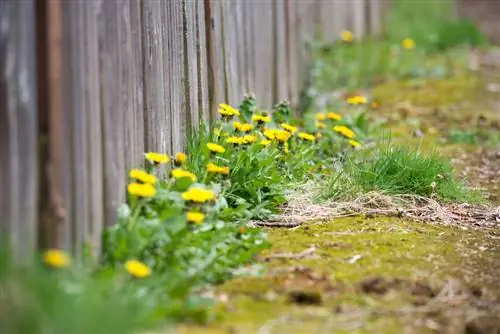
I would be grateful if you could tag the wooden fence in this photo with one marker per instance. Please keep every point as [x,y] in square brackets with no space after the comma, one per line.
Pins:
[87,86]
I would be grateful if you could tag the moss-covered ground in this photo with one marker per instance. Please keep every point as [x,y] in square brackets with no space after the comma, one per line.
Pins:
[380,274]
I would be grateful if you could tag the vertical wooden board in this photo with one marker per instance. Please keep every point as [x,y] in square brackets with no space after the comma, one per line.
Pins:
[137,81]
[358,10]
[112,108]
[264,56]
[231,54]
[63,141]
[293,45]
[201,56]
[329,21]
[75,107]
[126,63]
[155,125]
[220,51]
[375,7]
[18,125]
[94,149]
[241,48]
[250,43]
[191,39]
[281,56]
[173,65]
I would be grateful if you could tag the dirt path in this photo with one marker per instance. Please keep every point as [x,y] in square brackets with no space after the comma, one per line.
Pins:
[379,274]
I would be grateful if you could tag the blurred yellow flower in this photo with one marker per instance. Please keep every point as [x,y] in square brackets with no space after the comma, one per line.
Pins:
[261,119]
[216,148]
[354,143]
[270,133]
[334,116]
[137,269]
[282,136]
[249,139]
[145,190]
[345,131]
[157,158]
[227,110]
[357,99]
[195,217]
[408,43]
[319,135]
[198,195]
[180,158]
[56,258]
[235,140]
[320,125]
[180,173]
[142,176]
[289,128]
[243,127]
[306,136]
[265,142]
[213,168]
[217,132]
[320,117]
[346,36]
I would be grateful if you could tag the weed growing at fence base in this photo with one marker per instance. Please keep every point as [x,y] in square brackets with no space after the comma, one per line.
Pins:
[400,170]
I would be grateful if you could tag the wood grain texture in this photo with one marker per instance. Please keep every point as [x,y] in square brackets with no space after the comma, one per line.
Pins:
[176,91]
[18,126]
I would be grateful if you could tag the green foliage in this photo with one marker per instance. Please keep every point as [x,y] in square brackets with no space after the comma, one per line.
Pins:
[432,25]
[399,170]
[455,33]
[38,300]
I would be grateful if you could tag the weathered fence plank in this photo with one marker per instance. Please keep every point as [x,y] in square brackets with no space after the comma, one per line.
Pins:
[18,126]
[174,80]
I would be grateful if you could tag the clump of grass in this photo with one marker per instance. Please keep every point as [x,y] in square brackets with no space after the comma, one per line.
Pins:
[400,170]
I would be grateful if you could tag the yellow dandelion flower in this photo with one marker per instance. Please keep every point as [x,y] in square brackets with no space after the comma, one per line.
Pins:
[198,195]
[346,36]
[248,139]
[216,148]
[320,125]
[270,133]
[265,142]
[180,158]
[408,43]
[334,116]
[180,173]
[261,119]
[145,190]
[320,117]
[306,136]
[345,131]
[282,135]
[137,269]
[235,140]
[56,258]
[142,176]
[355,100]
[227,110]
[157,158]
[195,217]
[289,128]
[213,168]
[243,127]
[354,143]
